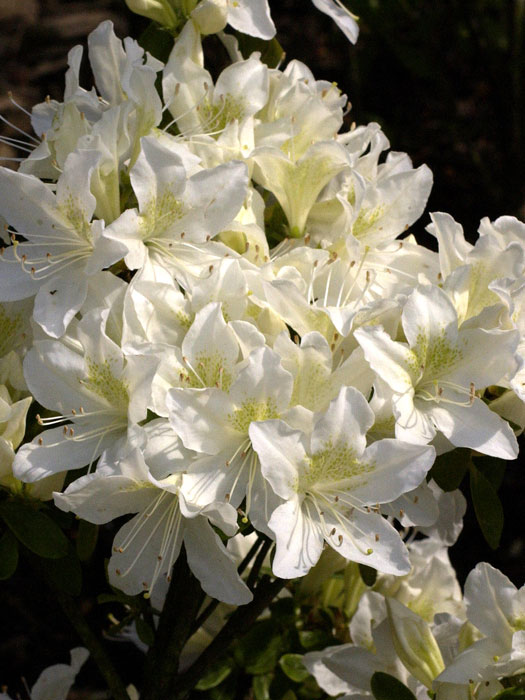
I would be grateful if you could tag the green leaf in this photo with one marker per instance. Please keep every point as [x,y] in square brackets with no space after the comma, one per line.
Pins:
[386,687]
[510,694]
[157,41]
[8,555]
[35,530]
[64,573]
[289,695]
[368,574]
[218,671]
[315,639]
[145,632]
[272,52]
[487,507]
[292,665]
[225,690]
[259,649]
[261,686]
[86,541]
[492,468]
[449,469]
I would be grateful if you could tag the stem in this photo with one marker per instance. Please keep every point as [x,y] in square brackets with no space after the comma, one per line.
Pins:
[183,600]
[261,556]
[238,623]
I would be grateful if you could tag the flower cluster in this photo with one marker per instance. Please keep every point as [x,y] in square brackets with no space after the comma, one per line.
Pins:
[222,314]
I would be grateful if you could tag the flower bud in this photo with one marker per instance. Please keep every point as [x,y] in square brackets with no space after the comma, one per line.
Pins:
[414,643]
[210,16]
[159,11]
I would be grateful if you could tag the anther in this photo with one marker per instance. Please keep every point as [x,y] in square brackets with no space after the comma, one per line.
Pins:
[40,441]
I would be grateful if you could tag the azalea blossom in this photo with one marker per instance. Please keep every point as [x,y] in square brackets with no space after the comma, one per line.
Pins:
[331,482]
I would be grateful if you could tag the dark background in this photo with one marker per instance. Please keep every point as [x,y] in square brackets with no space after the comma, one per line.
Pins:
[445,80]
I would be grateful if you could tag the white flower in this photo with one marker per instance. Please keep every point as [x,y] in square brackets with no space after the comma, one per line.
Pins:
[497,608]
[99,391]
[435,377]
[177,215]
[146,547]
[62,247]
[216,423]
[331,482]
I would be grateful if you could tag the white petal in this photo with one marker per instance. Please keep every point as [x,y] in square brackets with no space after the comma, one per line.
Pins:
[212,564]
[475,426]
[251,17]
[200,418]
[54,683]
[58,452]
[59,299]
[489,597]
[344,19]
[299,540]
[346,421]
[398,467]
[281,451]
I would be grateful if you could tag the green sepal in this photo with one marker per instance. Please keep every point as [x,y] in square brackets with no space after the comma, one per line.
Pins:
[35,529]
[387,687]
[8,555]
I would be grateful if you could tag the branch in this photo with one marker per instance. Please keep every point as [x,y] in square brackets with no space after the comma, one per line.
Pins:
[183,600]
[238,623]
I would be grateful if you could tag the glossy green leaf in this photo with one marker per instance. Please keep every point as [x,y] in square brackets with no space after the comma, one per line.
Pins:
[272,53]
[293,666]
[510,694]
[492,468]
[157,41]
[65,573]
[8,555]
[386,687]
[487,507]
[259,650]
[86,541]
[449,469]
[215,675]
[314,639]
[35,530]
[261,687]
